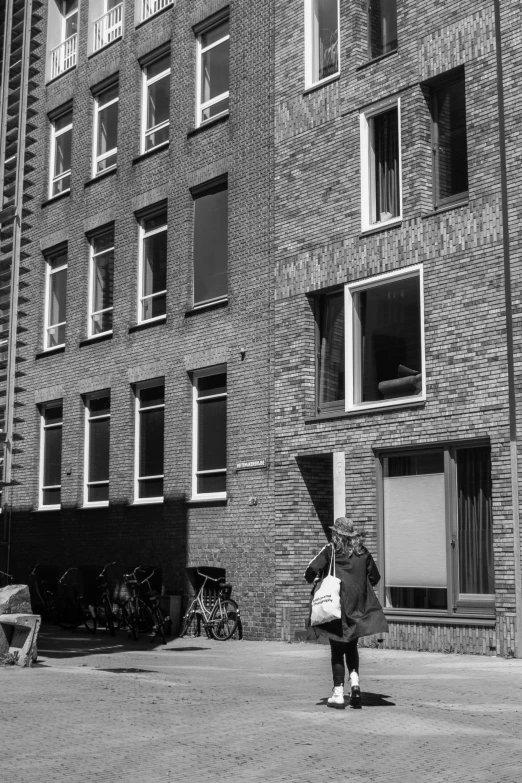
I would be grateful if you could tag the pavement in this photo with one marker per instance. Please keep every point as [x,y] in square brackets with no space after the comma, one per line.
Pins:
[100,709]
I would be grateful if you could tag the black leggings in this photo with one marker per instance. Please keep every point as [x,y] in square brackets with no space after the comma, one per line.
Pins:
[340,650]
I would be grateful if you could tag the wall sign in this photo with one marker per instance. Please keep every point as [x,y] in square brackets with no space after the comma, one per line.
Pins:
[252,465]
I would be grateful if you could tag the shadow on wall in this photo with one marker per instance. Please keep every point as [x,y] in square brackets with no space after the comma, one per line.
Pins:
[317,473]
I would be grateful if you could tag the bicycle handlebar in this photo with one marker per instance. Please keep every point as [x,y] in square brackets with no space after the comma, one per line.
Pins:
[4,573]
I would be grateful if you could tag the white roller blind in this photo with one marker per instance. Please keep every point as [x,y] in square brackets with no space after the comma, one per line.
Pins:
[415,531]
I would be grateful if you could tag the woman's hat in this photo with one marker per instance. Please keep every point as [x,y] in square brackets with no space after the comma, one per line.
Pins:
[344,527]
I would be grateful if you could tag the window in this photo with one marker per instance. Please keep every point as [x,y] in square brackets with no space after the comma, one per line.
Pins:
[450,151]
[213,42]
[330,351]
[101,285]
[153,267]
[97,441]
[156,96]
[438,543]
[55,300]
[381,165]
[63,19]
[382,27]
[109,26]
[151,7]
[210,434]
[322,40]
[150,415]
[105,129]
[210,242]
[385,340]
[61,147]
[51,455]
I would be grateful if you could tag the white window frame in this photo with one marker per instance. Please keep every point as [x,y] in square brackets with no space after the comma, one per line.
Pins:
[143,235]
[367,164]
[352,360]
[200,51]
[98,107]
[43,427]
[54,135]
[144,103]
[310,82]
[196,375]
[137,408]
[158,4]
[87,442]
[65,17]
[92,257]
[47,310]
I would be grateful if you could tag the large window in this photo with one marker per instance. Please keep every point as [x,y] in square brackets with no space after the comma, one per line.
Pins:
[438,543]
[63,35]
[97,442]
[210,242]
[109,26]
[61,149]
[105,130]
[210,434]
[153,267]
[385,340]
[322,40]
[212,70]
[150,421]
[55,300]
[151,7]
[450,151]
[381,165]
[51,455]
[330,351]
[382,27]
[101,285]
[156,100]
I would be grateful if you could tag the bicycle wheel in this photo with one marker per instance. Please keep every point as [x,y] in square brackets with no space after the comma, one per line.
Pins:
[89,617]
[224,619]
[104,615]
[145,617]
[159,623]
[130,621]
[190,625]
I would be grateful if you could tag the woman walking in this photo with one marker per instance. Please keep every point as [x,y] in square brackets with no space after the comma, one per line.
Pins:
[361,612]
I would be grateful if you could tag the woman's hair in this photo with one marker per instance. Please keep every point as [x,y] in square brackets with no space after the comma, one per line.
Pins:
[345,544]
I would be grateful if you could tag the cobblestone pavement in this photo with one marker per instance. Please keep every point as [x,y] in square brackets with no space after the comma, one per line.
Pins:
[101,709]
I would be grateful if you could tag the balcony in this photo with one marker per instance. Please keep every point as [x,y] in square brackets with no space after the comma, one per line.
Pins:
[151,7]
[108,27]
[64,56]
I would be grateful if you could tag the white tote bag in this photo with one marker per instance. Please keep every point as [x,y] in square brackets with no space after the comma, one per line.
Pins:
[326,603]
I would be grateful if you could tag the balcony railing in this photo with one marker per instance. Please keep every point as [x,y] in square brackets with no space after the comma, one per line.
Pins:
[64,56]
[108,27]
[151,7]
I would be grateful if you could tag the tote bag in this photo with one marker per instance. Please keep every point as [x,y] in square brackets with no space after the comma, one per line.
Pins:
[326,603]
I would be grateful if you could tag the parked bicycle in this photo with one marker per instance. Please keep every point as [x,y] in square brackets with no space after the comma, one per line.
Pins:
[220,620]
[105,609]
[142,612]
[43,585]
[74,607]
[5,579]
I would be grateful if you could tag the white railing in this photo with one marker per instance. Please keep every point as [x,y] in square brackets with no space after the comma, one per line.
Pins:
[64,56]
[108,27]
[151,7]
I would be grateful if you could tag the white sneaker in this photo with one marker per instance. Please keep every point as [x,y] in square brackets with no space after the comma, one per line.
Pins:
[355,691]
[337,698]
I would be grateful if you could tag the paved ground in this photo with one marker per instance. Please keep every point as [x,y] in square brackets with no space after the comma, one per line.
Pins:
[104,710]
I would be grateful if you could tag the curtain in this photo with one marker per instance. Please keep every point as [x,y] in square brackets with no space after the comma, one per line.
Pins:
[386,145]
[476,574]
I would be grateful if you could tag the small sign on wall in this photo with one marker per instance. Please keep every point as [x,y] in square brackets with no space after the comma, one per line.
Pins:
[251,465]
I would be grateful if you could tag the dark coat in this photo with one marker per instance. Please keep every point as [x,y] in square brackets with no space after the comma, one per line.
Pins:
[362,613]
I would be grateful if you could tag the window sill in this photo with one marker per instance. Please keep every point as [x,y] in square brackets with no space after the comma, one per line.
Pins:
[50,352]
[55,78]
[482,620]
[376,60]
[94,506]
[105,46]
[99,338]
[411,403]
[44,509]
[377,228]
[101,175]
[147,502]
[54,199]
[150,153]
[204,307]
[153,16]
[148,324]
[208,124]
[210,499]
[317,86]
[464,202]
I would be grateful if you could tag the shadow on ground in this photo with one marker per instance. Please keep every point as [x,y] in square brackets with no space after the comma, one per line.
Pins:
[54,642]
[368,700]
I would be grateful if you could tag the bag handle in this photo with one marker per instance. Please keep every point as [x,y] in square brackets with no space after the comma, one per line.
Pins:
[331,570]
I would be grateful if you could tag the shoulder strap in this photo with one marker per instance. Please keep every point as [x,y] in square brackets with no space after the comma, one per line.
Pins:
[331,571]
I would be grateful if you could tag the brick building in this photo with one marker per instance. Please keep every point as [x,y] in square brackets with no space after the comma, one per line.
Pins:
[358,319]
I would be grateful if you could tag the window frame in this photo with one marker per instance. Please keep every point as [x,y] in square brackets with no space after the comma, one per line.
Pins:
[353,374]
[196,375]
[146,82]
[142,3]
[138,388]
[47,309]
[43,427]
[87,447]
[384,54]
[106,231]
[435,87]
[199,31]
[98,107]
[367,116]
[52,155]
[143,235]
[211,187]
[65,16]
[310,83]
[472,606]
[319,312]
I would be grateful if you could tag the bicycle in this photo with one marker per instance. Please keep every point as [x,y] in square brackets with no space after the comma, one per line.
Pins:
[5,579]
[104,606]
[43,583]
[73,607]
[143,613]
[220,621]
[152,611]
